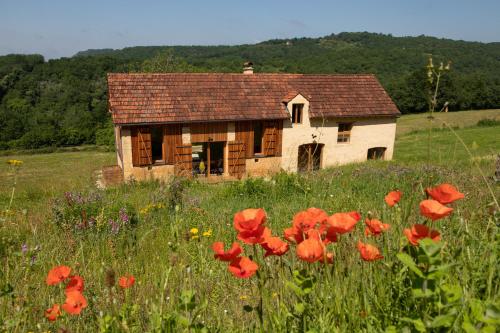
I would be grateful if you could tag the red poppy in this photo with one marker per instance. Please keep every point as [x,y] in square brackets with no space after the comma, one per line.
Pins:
[58,274]
[230,255]
[434,210]
[445,193]
[309,219]
[329,257]
[75,302]
[369,252]
[250,225]
[375,227]
[342,222]
[75,284]
[330,236]
[420,231]
[355,215]
[392,198]
[310,250]
[243,267]
[52,313]
[293,235]
[126,281]
[274,246]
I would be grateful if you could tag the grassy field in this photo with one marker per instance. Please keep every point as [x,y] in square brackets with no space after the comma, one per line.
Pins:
[181,287]
[415,122]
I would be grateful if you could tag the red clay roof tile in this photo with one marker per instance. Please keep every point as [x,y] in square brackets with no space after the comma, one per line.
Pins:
[173,97]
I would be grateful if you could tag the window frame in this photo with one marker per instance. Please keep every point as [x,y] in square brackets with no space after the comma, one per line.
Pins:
[297,113]
[262,133]
[344,135]
[163,160]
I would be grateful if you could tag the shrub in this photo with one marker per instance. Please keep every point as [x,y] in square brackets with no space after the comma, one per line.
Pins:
[487,122]
[94,211]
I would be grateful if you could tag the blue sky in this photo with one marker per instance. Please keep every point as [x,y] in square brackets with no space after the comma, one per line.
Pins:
[57,28]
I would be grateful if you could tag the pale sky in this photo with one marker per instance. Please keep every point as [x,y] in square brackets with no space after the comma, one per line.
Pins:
[60,28]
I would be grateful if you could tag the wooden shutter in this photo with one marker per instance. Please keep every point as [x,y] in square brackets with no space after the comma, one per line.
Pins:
[272,138]
[172,138]
[208,132]
[236,158]
[183,165]
[244,133]
[141,146]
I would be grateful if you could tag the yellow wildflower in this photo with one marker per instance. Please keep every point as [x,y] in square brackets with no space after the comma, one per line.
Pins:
[243,297]
[194,231]
[207,233]
[195,237]
[15,162]
[275,294]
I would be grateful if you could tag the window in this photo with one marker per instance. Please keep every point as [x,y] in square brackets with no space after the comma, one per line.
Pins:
[376,153]
[297,113]
[157,144]
[344,134]
[258,135]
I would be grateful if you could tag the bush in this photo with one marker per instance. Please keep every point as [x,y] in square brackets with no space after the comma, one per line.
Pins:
[488,122]
[94,211]
[105,137]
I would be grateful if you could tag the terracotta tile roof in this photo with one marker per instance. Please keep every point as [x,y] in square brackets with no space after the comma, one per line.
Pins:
[155,98]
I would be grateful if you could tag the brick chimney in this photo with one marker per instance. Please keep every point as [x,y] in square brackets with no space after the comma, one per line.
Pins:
[248,68]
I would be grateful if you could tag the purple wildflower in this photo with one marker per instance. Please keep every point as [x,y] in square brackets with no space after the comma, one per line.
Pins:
[24,248]
[33,259]
[115,227]
[123,215]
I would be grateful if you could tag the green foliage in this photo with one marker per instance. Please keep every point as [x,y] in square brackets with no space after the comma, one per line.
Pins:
[93,212]
[488,122]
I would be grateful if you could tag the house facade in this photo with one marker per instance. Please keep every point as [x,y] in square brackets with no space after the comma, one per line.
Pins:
[240,125]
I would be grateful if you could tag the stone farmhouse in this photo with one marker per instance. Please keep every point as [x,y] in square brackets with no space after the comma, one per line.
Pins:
[239,125]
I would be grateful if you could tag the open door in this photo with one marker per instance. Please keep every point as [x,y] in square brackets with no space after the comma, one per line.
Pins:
[309,158]
[183,161]
[236,158]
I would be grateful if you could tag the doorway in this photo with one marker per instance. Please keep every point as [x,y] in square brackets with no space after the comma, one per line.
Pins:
[208,159]
[376,153]
[309,158]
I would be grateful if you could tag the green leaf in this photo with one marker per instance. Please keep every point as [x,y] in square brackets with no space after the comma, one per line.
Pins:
[299,308]
[296,289]
[418,324]
[443,321]
[451,293]
[468,327]
[430,247]
[408,262]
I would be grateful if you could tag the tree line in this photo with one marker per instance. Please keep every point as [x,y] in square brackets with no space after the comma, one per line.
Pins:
[63,102]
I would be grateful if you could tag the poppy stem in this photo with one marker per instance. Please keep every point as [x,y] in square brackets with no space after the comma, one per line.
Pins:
[260,307]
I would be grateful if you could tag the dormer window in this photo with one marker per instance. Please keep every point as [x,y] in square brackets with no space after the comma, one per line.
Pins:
[297,113]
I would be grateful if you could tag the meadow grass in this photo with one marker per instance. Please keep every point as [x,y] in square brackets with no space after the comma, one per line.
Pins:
[417,122]
[161,252]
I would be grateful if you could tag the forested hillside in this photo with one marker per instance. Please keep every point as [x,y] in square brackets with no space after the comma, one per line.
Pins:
[64,101]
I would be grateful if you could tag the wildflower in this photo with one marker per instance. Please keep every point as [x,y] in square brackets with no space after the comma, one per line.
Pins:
[58,274]
[310,250]
[243,267]
[243,297]
[250,225]
[75,284]
[420,231]
[207,233]
[369,252]
[126,281]
[75,302]
[124,216]
[293,235]
[52,313]
[434,210]
[274,246]
[115,227]
[328,258]
[308,219]
[445,193]
[230,255]
[375,227]
[15,163]
[194,231]
[24,248]
[343,222]
[393,198]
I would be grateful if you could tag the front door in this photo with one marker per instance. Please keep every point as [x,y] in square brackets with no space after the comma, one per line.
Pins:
[208,158]
[309,158]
